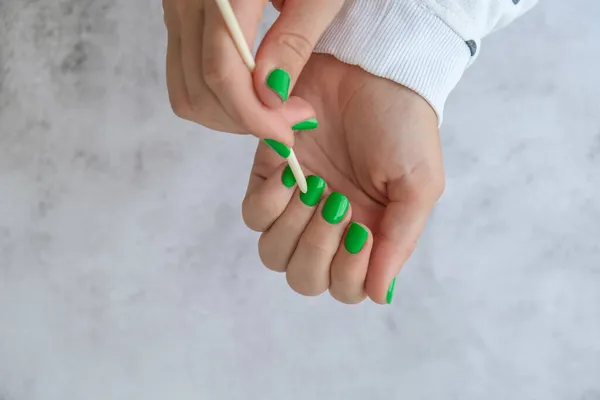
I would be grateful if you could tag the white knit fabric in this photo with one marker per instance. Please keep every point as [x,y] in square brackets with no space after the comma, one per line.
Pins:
[420,44]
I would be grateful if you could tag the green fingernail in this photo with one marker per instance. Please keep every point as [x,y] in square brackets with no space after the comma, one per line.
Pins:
[316,186]
[288,178]
[335,208]
[306,125]
[280,148]
[390,292]
[279,82]
[356,238]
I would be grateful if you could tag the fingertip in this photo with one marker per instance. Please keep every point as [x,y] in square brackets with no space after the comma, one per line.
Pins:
[382,295]
[272,84]
[381,275]
[375,299]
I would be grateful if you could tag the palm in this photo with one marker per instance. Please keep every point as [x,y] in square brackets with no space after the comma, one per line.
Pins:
[373,133]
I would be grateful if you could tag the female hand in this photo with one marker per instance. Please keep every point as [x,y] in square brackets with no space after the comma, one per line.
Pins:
[378,145]
[208,82]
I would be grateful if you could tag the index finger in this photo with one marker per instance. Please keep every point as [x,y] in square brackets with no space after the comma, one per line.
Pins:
[231,81]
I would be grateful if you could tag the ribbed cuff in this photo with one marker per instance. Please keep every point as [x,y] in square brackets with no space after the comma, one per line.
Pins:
[400,40]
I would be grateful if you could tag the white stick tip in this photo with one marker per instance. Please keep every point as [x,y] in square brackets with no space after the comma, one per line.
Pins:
[302,185]
[297,171]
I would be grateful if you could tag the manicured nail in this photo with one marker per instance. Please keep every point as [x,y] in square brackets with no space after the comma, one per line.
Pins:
[316,186]
[355,238]
[335,208]
[280,148]
[279,82]
[306,125]
[288,178]
[390,292]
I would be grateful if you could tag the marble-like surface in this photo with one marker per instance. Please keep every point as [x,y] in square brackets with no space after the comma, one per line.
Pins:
[126,271]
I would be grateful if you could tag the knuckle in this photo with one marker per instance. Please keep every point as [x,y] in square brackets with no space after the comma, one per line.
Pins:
[203,111]
[181,106]
[214,74]
[319,248]
[297,44]
[199,105]
[249,214]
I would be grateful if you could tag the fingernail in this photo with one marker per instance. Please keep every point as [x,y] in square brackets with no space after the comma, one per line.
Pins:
[279,82]
[390,293]
[316,186]
[306,125]
[335,208]
[355,238]
[280,148]
[288,178]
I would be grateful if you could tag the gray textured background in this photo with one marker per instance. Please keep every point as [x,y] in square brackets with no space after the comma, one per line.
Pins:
[126,271]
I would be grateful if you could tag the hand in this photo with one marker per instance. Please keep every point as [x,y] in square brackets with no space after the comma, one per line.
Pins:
[377,144]
[208,82]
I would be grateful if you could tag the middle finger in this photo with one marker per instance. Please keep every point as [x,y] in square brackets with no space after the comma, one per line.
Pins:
[206,109]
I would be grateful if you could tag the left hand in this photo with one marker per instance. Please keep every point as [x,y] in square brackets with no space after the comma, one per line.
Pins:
[377,144]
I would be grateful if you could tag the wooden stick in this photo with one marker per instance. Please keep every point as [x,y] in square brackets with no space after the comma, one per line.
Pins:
[236,33]
[240,42]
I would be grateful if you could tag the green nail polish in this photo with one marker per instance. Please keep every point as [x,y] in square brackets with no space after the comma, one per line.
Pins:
[288,178]
[390,292]
[306,125]
[356,238]
[316,186]
[280,148]
[335,208]
[279,82]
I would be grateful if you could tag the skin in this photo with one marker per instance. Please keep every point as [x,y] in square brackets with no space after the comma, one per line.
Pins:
[207,80]
[377,142]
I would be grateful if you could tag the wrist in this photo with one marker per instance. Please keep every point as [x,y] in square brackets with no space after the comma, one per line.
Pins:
[401,41]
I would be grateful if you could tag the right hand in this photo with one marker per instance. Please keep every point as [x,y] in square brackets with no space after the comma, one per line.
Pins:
[207,80]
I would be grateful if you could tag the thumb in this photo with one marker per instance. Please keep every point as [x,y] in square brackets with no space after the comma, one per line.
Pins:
[288,45]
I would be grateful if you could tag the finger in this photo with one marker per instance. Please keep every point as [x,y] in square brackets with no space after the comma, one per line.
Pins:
[266,199]
[277,245]
[229,78]
[204,108]
[350,264]
[288,45]
[396,239]
[178,95]
[278,4]
[308,271]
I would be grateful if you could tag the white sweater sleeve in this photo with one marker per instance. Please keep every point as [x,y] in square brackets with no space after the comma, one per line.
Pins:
[425,45]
